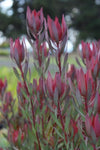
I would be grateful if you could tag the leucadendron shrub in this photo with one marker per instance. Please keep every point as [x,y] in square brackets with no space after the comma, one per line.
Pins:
[54,113]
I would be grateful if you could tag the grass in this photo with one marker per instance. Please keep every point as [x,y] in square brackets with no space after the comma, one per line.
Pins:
[7,73]
[71,59]
[4,52]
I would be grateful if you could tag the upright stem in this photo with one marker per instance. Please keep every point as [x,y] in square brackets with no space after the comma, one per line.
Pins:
[37,42]
[59,62]
[62,122]
[33,115]
[59,58]
[24,80]
[86,105]
[94,147]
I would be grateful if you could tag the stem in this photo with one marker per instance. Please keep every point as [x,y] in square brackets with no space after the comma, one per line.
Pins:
[38,51]
[59,58]
[62,123]
[94,147]
[33,115]
[86,106]
[59,62]
[41,96]
[43,127]
[24,80]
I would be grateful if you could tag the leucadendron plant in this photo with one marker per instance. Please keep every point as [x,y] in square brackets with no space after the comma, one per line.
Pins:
[55,112]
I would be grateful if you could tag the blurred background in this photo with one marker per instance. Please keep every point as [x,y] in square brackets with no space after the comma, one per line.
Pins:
[82,18]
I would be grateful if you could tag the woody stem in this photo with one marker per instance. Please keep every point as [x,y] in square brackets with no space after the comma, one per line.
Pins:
[62,122]
[33,115]
[86,105]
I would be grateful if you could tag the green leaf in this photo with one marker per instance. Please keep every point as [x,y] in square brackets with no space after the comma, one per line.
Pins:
[78,97]
[56,96]
[67,123]
[56,120]
[83,146]
[24,94]
[65,60]
[59,133]
[47,64]
[93,135]
[16,73]
[37,69]
[25,68]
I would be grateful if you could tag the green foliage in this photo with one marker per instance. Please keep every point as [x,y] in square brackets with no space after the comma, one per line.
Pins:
[4,45]
[4,52]
[3,142]
[11,78]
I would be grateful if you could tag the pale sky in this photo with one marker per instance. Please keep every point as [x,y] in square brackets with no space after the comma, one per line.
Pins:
[5,5]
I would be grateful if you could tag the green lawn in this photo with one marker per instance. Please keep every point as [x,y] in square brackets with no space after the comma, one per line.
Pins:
[7,73]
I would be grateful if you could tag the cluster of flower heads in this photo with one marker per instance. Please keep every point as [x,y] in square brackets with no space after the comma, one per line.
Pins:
[60,112]
[87,89]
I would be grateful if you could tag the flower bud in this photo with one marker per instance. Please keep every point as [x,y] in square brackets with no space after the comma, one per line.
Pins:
[57,31]
[92,124]
[55,84]
[86,85]
[35,21]
[17,51]
[3,86]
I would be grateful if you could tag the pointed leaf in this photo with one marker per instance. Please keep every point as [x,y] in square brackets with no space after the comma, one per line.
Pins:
[47,64]
[56,120]
[16,73]
[78,97]
[56,96]
[25,68]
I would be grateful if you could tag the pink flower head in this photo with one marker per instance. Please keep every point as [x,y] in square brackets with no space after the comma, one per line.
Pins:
[85,82]
[3,86]
[35,20]
[16,133]
[73,124]
[17,51]
[92,124]
[19,87]
[15,136]
[87,51]
[95,66]
[98,103]
[71,73]
[56,83]
[57,31]
[7,105]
